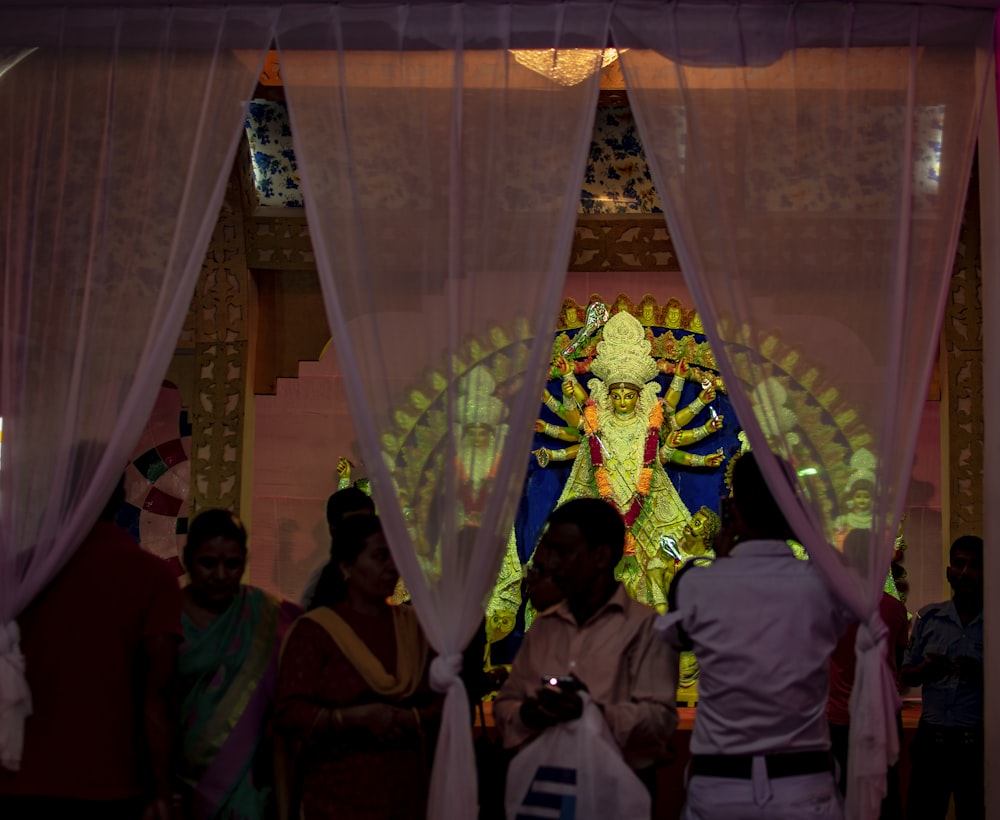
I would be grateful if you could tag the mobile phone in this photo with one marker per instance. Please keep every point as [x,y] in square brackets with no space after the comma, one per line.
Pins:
[567,683]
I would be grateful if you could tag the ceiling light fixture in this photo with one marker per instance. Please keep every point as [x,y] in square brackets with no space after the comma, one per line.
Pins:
[566,66]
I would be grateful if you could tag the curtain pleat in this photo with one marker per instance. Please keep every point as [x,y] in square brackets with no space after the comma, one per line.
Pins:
[117,133]
[441,180]
[813,161]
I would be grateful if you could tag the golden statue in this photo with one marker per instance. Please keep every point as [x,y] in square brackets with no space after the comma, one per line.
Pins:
[623,436]
[696,542]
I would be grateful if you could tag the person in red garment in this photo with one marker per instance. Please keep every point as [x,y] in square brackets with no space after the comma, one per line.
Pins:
[101,648]
[842,665]
[353,695]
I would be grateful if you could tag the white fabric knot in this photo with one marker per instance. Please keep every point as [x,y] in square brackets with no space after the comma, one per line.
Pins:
[15,697]
[874,743]
[444,671]
[872,634]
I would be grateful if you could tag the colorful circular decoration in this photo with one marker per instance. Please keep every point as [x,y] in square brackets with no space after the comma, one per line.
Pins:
[157,481]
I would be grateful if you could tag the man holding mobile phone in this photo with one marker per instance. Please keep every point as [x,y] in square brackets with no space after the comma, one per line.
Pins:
[598,639]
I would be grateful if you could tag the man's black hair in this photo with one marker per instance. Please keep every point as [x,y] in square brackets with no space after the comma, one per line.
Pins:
[752,496]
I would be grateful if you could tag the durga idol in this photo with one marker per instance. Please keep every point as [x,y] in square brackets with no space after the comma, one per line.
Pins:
[621,455]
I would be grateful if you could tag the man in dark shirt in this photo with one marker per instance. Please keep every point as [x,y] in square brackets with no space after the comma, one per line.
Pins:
[945,657]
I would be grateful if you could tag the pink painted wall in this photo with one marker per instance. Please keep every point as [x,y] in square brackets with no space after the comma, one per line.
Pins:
[299,434]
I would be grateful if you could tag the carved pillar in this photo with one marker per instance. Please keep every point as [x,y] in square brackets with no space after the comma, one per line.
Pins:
[962,383]
[220,329]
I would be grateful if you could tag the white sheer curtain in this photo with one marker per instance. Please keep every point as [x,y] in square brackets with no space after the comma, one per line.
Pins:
[813,160]
[441,180]
[117,134]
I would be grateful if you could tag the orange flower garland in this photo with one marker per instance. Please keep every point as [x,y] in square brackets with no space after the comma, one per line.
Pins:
[645,480]
[603,480]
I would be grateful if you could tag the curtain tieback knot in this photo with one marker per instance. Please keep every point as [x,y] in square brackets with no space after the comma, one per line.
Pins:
[872,635]
[444,671]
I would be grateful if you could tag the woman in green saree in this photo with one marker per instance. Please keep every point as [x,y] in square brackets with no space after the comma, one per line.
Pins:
[228,672]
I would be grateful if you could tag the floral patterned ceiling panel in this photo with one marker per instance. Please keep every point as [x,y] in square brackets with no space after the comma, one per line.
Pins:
[274,169]
[617,179]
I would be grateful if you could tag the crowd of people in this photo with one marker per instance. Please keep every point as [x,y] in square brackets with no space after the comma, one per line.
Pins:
[217,700]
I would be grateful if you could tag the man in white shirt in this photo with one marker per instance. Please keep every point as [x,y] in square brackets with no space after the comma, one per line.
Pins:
[762,624]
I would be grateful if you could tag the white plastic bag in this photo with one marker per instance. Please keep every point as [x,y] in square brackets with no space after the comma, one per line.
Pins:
[575,771]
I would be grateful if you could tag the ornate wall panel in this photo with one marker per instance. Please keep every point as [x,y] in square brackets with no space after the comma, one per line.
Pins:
[279,243]
[962,354]
[612,243]
[219,318]
[600,243]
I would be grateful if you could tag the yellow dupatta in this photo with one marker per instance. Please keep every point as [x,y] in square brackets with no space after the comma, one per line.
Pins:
[411,651]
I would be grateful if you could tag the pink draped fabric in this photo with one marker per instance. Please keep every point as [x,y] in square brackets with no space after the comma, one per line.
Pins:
[813,161]
[117,133]
[441,181]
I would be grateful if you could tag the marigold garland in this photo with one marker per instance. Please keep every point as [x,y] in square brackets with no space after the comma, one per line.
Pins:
[656,416]
[603,482]
[645,480]
[601,476]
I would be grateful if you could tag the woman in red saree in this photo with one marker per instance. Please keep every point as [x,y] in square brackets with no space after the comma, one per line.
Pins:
[353,699]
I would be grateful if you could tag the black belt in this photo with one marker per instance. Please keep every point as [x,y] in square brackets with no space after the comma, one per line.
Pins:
[948,735]
[779,765]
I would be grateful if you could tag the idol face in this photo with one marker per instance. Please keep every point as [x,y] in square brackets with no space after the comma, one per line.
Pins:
[862,501]
[695,529]
[479,435]
[623,400]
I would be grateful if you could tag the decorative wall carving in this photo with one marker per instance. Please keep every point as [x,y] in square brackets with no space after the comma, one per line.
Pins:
[219,319]
[600,243]
[622,243]
[962,354]
[279,243]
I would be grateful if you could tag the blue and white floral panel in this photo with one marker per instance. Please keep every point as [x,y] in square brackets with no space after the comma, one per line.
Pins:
[275,171]
[617,179]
